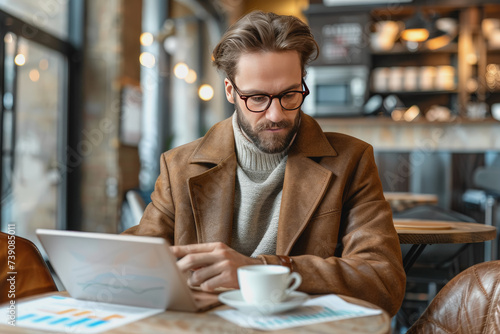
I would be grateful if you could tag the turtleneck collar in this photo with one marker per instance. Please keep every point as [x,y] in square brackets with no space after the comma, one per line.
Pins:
[249,156]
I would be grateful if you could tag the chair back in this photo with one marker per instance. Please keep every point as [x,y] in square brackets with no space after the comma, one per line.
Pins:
[32,273]
[469,303]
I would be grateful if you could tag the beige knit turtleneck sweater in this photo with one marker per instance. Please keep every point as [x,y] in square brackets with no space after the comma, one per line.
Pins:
[259,185]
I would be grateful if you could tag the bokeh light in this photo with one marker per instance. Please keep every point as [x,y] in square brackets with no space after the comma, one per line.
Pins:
[181,70]
[147,60]
[206,92]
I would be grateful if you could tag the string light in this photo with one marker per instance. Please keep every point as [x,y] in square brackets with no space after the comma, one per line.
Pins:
[34,75]
[181,70]
[206,92]
[43,64]
[20,60]
[147,60]
[191,76]
[146,39]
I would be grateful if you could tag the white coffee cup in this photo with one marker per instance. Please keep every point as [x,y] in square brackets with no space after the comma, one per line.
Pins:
[265,284]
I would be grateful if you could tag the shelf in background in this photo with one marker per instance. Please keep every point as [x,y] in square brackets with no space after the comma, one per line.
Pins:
[385,120]
[400,49]
[416,92]
[459,135]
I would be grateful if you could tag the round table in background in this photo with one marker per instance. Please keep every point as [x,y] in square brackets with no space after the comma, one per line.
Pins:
[421,233]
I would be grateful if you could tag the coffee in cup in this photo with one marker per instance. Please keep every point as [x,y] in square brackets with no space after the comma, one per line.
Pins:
[264,284]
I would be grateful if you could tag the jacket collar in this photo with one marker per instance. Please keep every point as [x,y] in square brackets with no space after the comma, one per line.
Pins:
[310,140]
[218,144]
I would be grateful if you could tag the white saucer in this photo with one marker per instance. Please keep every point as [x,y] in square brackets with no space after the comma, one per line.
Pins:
[235,299]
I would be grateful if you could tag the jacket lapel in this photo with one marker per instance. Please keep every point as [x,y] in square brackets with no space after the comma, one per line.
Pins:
[212,192]
[305,183]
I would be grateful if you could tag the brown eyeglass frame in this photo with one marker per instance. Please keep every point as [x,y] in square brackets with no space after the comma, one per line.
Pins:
[271,96]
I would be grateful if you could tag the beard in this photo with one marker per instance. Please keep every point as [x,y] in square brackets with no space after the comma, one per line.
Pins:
[269,142]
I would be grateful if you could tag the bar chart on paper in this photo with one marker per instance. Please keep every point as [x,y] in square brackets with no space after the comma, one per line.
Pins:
[65,314]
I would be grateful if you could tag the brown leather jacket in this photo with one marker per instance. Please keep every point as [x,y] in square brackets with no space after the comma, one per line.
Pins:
[334,221]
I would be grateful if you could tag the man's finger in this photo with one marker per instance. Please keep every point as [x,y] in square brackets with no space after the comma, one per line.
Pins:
[181,251]
[203,274]
[196,260]
[213,277]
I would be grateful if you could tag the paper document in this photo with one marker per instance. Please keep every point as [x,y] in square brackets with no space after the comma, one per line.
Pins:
[321,309]
[69,315]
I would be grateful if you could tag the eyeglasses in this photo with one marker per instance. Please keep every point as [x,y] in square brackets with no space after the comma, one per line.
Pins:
[289,100]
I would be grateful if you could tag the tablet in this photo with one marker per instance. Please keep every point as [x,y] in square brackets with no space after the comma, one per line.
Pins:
[121,269]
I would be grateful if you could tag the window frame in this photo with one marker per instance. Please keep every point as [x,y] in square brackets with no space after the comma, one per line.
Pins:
[71,50]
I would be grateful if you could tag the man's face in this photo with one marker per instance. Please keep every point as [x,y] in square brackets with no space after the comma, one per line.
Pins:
[267,73]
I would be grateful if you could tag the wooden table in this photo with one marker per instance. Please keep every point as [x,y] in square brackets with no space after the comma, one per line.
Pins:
[208,322]
[421,233]
[401,201]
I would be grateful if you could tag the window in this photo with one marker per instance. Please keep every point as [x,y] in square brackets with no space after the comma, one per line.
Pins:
[34,96]
[48,15]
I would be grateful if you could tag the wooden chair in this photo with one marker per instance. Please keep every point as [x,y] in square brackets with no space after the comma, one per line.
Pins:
[32,273]
[468,304]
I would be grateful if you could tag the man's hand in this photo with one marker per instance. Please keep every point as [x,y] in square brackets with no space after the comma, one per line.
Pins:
[213,264]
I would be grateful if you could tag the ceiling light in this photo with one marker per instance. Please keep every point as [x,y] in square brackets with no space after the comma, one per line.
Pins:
[416,29]
[437,39]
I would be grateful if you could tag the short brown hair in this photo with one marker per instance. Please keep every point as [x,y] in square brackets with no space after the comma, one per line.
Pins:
[259,31]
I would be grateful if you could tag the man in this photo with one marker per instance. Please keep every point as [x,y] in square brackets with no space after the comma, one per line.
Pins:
[267,186]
